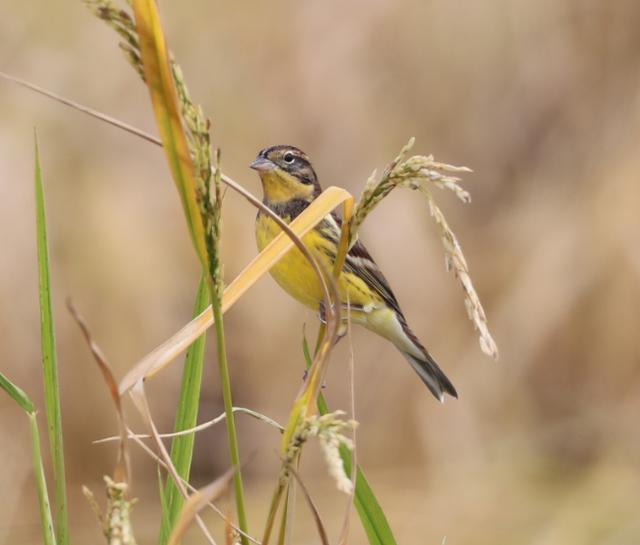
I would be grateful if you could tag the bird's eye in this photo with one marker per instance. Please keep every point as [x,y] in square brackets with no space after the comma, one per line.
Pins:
[289,158]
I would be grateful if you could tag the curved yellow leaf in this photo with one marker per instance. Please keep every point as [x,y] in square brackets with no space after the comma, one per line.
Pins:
[261,264]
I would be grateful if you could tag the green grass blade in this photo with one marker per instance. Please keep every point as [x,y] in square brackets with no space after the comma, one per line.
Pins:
[186,417]
[371,515]
[50,364]
[17,394]
[232,434]
[46,521]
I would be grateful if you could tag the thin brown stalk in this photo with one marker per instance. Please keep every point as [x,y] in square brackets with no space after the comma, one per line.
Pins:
[140,400]
[122,472]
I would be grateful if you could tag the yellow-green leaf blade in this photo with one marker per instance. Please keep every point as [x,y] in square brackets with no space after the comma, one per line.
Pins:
[50,363]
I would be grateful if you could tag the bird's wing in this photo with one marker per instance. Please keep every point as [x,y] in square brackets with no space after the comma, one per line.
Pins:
[360,263]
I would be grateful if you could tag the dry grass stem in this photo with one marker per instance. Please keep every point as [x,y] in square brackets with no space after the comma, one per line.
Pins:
[322,533]
[344,532]
[195,429]
[122,471]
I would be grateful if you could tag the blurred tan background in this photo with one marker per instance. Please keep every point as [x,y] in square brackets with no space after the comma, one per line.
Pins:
[541,99]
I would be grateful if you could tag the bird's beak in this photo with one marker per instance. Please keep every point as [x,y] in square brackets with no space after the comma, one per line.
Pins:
[262,165]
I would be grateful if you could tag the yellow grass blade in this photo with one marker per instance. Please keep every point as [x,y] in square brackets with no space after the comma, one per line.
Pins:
[159,80]
[261,264]
[311,388]
[343,246]
[197,502]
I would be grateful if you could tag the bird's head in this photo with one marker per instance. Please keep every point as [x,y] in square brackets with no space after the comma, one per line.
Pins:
[286,174]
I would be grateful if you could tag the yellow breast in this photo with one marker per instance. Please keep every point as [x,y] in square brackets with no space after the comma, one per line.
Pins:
[298,278]
[293,272]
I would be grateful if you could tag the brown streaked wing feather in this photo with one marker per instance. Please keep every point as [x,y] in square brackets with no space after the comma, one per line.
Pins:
[360,263]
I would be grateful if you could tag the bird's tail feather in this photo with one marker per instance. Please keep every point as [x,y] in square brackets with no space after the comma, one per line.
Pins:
[431,375]
[423,364]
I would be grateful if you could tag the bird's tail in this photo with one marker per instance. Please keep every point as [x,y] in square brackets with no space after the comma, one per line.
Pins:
[431,375]
[423,364]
